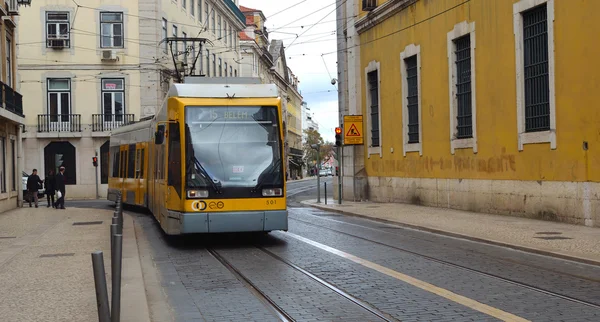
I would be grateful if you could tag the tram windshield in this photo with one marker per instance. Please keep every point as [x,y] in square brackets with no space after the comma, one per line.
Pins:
[238,147]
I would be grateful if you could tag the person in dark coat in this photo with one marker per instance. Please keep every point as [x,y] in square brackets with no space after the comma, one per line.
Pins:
[33,185]
[50,185]
[60,186]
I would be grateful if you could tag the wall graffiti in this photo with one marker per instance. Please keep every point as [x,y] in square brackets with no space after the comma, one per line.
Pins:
[500,163]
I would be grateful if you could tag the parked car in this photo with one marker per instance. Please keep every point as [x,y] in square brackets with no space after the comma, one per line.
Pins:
[323,173]
[25,194]
[329,172]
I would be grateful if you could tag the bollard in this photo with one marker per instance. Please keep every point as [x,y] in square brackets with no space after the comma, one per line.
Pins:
[101,291]
[325,184]
[116,264]
[113,231]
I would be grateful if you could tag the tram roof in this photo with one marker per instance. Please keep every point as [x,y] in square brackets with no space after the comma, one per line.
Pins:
[221,87]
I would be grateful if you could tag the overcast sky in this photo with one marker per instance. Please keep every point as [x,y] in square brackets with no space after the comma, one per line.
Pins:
[304,54]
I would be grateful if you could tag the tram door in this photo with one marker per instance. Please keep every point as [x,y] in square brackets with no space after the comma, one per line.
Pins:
[140,186]
[123,171]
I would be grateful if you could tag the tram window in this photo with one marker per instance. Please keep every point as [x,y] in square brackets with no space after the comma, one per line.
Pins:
[142,163]
[123,164]
[174,167]
[115,164]
[131,162]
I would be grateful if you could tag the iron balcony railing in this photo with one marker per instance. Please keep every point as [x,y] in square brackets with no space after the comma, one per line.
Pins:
[109,122]
[296,152]
[11,99]
[59,123]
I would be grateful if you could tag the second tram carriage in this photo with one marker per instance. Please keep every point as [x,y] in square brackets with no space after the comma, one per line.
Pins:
[211,160]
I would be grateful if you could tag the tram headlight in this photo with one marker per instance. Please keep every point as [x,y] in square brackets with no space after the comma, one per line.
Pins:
[194,194]
[273,192]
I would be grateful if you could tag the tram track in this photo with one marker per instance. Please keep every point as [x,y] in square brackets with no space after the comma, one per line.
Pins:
[458,266]
[278,311]
[264,298]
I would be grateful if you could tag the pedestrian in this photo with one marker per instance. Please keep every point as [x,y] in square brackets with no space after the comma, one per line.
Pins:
[60,187]
[50,185]
[33,185]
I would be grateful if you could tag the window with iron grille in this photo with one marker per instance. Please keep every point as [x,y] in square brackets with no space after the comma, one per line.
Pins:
[464,125]
[412,99]
[373,80]
[537,88]
[57,29]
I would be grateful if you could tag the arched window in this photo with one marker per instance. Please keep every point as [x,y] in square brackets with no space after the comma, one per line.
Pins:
[57,154]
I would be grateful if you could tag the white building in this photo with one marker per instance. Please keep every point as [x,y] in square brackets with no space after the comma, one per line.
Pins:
[307,118]
[91,66]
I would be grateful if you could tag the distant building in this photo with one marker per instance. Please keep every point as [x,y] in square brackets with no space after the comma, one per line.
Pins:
[307,118]
[481,105]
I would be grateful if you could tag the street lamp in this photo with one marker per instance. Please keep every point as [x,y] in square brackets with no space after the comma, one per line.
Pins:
[317,147]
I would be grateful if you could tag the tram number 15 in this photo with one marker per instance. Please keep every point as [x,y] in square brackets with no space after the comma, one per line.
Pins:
[271,202]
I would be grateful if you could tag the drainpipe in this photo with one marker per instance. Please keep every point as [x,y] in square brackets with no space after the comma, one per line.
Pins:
[19,165]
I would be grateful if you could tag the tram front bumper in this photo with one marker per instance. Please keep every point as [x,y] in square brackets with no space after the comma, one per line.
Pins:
[224,222]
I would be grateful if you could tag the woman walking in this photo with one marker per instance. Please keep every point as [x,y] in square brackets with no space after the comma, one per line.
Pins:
[50,185]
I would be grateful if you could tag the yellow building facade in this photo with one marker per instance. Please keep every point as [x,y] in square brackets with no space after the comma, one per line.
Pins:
[481,105]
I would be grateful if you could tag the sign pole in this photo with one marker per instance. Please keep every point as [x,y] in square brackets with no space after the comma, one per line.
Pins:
[318,177]
[353,135]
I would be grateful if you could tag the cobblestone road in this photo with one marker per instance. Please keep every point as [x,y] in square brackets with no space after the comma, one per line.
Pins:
[405,274]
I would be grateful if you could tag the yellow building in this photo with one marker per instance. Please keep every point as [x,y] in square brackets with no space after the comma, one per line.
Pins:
[91,66]
[481,105]
[11,112]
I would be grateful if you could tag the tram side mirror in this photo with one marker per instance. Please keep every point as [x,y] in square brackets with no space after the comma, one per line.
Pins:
[159,135]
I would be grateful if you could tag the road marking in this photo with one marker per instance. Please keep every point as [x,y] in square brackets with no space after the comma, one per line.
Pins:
[483,308]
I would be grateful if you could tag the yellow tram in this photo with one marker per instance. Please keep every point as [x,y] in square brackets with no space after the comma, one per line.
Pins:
[211,160]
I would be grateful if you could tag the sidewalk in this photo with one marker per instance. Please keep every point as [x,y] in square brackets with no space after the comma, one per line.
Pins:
[46,266]
[515,232]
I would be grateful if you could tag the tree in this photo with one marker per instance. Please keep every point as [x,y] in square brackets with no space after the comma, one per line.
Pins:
[312,136]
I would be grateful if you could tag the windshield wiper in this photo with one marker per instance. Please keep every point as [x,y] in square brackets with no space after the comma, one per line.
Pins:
[260,183]
[207,176]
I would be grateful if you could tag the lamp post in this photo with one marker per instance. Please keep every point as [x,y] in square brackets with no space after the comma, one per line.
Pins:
[317,147]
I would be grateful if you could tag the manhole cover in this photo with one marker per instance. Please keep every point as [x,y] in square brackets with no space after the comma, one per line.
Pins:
[553,237]
[57,255]
[549,233]
[82,223]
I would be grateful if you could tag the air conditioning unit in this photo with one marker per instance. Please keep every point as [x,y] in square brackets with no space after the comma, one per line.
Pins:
[13,7]
[369,5]
[58,43]
[109,55]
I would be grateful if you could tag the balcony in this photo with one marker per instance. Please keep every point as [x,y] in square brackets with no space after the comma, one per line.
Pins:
[296,152]
[11,100]
[109,122]
[54,123]
[238,13]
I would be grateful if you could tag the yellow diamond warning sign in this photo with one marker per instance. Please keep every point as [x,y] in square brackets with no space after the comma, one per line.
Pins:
[353,129]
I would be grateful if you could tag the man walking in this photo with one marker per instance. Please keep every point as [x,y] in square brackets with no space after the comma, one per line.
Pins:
[33,182]
[60,187]
[50,183]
